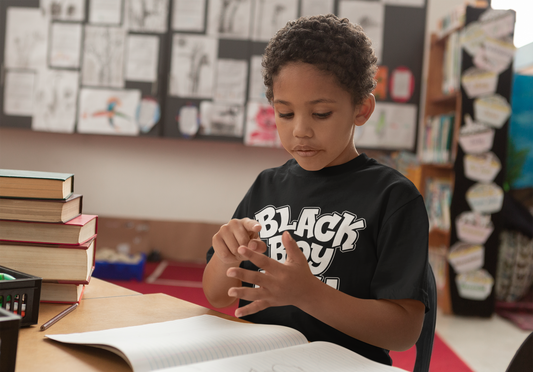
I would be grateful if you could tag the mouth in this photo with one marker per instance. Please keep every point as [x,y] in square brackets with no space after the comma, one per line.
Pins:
[305,151]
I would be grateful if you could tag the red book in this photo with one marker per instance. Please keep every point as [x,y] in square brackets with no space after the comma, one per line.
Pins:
[61,293]
[74,232]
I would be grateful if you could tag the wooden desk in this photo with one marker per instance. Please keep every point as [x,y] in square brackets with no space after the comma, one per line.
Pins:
[100,310]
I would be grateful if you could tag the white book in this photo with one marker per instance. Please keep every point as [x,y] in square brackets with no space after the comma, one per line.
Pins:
[210,343]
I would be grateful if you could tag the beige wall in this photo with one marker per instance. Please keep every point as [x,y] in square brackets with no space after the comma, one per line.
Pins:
[152,178]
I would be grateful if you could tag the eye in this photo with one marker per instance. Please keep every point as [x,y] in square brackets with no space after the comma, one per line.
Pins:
[285,116]
[324,115]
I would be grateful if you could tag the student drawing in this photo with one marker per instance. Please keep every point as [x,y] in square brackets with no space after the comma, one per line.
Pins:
[193,66]
[332,242]
[65,10]
[112,111]
[55,101]
[26,38]
[103,56]
[229,18]
[271,15]
[147,15]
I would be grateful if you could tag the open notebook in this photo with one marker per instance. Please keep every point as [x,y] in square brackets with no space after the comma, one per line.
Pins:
[210,343]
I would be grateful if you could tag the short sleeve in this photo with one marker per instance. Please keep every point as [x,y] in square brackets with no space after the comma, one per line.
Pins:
[403,254]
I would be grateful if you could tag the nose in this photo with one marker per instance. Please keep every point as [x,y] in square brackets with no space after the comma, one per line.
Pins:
[302,128]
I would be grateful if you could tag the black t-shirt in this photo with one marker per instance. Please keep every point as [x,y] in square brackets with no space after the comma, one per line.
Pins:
[363,227]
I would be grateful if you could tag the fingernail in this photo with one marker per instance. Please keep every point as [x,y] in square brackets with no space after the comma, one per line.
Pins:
[252,245]
[230,273]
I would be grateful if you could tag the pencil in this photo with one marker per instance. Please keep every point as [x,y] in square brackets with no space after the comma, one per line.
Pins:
[58,317]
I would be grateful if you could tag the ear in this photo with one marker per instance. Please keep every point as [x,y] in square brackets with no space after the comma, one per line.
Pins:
[364,110]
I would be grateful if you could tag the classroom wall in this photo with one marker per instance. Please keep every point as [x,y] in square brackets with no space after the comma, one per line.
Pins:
[154,178]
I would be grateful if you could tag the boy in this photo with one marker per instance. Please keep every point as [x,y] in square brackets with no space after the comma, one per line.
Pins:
[331,243]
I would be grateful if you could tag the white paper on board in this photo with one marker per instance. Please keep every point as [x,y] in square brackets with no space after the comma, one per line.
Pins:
[230,19]
[256,87]
[64,10]
[261,125]
[107,12]
[465,257]
[56,96]
[493,110]
[485,197]
[475,285]
[475,138]
[193,61]
[315,7]
[498,23]
[272,15]
[146,15]
[188,121]
[370,15]
[230,81]
[143,58]
[222,119]
[477,82]
[26,41]
[107,111]
[148,114]
[65,44]
[103,57]
[474,228]
[18,92]
[188,15]
[391,126]
[482,167]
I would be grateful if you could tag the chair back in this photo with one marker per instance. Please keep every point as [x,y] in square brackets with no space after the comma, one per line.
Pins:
[424,345]
[523,358]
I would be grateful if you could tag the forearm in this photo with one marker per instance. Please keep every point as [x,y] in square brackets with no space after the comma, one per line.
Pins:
[216,283]
[392,325]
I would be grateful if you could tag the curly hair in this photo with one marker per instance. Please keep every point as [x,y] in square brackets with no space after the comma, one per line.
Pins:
[329,43]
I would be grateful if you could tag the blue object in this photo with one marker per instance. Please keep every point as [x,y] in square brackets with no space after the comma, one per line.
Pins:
[120,270]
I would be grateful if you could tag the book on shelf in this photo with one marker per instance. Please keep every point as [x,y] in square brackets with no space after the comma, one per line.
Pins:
[451,73]
[76,231]
[438,197]
[210,343]
[59,293]
[51,262]
[41,210]
[33,184]
[437,139]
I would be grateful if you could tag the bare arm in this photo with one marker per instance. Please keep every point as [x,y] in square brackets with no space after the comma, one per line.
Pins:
[390,324]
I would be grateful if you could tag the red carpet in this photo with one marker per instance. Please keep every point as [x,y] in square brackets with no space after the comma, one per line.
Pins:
[183,280]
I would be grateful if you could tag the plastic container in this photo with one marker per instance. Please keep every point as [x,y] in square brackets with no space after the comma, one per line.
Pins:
[9,335]
[120,270]
[21,295]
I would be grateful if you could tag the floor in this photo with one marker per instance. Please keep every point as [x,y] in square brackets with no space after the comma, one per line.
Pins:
[486,345]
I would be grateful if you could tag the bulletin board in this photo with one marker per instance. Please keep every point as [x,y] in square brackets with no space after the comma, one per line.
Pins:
[187,69]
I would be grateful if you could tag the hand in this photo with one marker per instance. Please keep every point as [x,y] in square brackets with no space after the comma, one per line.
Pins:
[281,284]
[234,234]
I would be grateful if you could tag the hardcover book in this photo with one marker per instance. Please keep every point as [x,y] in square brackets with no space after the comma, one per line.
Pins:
[76,231]
[61,293]
[41,210]
[51,262]
[34,184]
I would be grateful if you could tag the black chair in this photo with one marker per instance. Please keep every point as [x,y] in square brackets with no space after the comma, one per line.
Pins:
[424,345]
[523,359]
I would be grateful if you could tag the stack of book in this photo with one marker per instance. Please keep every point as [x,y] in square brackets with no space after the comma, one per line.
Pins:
[44,233]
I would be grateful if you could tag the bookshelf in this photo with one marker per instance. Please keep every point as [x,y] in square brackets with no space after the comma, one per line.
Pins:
[446,96]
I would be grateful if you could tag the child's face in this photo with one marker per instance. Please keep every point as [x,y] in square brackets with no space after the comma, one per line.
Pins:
[315,116]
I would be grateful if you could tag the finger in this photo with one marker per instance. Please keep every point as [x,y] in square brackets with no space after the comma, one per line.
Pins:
[252,308]
[253,277]
[258,259]
[257,245]
[251,226]
[294,253]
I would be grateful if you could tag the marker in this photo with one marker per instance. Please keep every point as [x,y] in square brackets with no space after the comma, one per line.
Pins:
[58,317]
[4,276]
